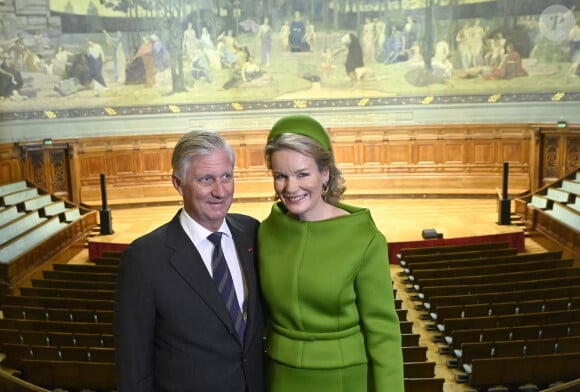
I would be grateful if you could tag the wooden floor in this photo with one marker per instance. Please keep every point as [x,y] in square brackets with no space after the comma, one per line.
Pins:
[398,219]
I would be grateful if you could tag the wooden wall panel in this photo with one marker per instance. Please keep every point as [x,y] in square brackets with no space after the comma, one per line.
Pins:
[454,153]
[93,164]
[416,159]
[483,152]
[11,169]
[399,153]
[124,163]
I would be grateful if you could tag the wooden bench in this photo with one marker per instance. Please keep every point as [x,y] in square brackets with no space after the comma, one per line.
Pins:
[55,338]
[411,262]
[90,268]
[60,326]
[406,326]
[108,261]
[410,339]
[424,384]
[495,276]
[9,214]
[515,348]
[511,320]
[422,369]
[15,353]
[80,276]
[483,269]
[67,293]
[73,284]
[58,314]
[520,370]
[69,374]
[452,248]
[572,186]
[566,215]
[19,245]
[37,203]
[116,254]
[541,202]
[487,262]
[20,226]
[520,295]
[414,354]
[513,307]
[519,332]
[54,208]
[505,287]
[58,302]
[558,195]
[17,196]
[11,382]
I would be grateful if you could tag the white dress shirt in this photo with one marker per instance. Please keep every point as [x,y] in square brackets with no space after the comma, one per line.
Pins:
[198,235]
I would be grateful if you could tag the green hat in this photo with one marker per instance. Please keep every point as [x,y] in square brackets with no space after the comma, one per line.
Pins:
[302,125]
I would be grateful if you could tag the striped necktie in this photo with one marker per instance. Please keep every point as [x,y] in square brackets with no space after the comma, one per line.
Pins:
[225,284]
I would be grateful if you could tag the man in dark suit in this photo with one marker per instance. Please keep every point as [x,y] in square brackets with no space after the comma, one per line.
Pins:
[173,330]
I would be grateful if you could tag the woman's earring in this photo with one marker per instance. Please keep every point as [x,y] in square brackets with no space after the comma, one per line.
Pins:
[324,188]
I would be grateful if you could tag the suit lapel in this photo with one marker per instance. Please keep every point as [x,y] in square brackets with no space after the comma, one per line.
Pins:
[187,261]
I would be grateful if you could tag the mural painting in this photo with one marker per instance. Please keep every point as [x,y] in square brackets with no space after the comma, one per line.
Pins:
[64,58]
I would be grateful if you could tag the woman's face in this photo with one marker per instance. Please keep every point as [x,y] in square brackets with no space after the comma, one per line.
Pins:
[298,183]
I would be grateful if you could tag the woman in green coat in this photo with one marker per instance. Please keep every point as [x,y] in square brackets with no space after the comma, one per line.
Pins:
[325,275]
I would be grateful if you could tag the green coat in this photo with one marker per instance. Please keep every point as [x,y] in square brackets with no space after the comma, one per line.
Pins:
[328,288]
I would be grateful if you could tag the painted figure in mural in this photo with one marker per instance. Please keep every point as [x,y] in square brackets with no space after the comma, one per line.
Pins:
[410,32]
[190,43]
[160,54]
[297,33]
[380,37]
[10,79]
[310,35]
[119,55]
[18,51]
[145,53]
[462,40]
[354,57]
[510,67]
[249,74]
[327,64]
[61,61]
[210,49]
[161,61]
[441,66]
[265,36]
[231,53]
[369,40]
[574,38]
[95,59]
[476,34]
[394,46]
[200,67]
[495,50]
[285,36]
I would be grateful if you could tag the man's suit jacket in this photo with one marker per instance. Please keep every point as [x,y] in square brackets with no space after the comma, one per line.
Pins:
[172,329]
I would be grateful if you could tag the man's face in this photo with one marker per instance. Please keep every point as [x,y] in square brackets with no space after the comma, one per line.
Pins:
[207,189]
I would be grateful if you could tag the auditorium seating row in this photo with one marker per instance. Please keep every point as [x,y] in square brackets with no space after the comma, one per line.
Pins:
[554,210]
[33,226]
[59,331]
[502,319]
